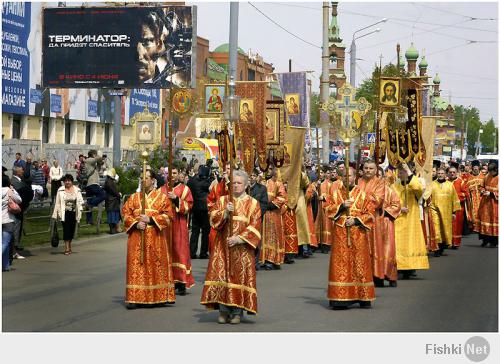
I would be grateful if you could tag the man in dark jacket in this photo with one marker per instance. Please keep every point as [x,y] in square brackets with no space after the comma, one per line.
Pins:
[199,186]
[259,192]
[23,188]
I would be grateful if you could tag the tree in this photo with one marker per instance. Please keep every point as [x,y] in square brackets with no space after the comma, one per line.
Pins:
[470,116]
[314,117]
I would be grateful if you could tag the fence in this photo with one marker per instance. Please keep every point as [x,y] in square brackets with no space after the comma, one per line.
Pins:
[32,214]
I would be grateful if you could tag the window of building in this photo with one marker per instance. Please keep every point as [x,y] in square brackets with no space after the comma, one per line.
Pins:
[205,68]
[251,75]
[67,131]
[106,135]
[45,129]
[16,126]
[88,130]
[241,75]
[333,61]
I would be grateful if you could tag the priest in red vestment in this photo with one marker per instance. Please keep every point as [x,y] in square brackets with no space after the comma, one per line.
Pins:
[182,199]
[487,224]
[374,188]
[230,282]
[150,282]
[272,253]
[218,188]
[350,277]
[463,193]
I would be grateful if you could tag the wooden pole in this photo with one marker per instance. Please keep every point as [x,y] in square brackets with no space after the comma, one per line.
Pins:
[317,151]
[347,143]
[170,166]
[144,156]
[378,115]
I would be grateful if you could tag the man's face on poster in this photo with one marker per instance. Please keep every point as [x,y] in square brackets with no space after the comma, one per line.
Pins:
[148,48]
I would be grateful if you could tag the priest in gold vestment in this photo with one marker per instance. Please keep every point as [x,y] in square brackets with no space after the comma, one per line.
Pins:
[411,251]
[230,281]
[150,282]
[445,204]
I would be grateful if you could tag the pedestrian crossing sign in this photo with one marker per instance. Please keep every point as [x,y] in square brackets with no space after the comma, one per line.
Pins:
[370,138]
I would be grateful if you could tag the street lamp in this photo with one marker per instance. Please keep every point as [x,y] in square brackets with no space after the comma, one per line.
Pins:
[478,143]
[353,49]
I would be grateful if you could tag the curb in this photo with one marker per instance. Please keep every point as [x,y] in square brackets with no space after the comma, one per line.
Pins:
[74,242]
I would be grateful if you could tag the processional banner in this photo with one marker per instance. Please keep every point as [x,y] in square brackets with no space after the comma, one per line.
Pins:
[294,88]
[293,159]
[250,128]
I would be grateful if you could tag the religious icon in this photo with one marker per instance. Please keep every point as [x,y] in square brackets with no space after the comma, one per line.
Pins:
[292,104]
[272,126]
[181,101]
[247,110]
[287,151]
[214,98]
[389,91]
[145,131]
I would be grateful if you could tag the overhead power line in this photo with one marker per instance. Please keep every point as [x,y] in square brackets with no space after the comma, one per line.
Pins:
[283,28]
[447,11]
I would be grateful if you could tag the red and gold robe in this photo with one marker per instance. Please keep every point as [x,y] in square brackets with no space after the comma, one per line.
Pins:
[350,276]
[217,190]
[151,282]
[231,277]
[310,192]
[458,223]
[428,227]
[181,259]
[273,237]
[323,224]
[487,222]
[375,190]
[290,230]
[391,211]
[474,184]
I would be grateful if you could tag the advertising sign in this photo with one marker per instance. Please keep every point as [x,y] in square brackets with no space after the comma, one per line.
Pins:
[118,47]
[16,17]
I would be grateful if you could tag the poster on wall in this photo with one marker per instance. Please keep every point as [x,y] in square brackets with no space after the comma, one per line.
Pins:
[118,47]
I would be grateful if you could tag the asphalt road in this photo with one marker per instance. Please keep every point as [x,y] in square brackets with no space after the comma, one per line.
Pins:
[84,292]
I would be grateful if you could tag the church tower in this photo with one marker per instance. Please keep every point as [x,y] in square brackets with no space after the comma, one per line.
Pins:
[337,52]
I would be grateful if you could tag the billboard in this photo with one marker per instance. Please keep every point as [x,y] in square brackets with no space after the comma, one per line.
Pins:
[118,47]
[16,24]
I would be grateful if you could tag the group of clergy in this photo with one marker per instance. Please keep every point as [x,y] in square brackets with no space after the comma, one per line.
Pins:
[375,224]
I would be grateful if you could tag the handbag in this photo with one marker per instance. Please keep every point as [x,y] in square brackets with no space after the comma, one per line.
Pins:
[13,207]
[55,237]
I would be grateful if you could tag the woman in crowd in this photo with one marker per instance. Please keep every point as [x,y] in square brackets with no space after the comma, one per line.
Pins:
[68,208]
[8,192]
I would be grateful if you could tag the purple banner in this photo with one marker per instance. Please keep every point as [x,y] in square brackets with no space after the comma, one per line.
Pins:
[293,86]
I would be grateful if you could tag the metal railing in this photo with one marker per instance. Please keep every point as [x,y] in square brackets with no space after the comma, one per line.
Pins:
[52,223]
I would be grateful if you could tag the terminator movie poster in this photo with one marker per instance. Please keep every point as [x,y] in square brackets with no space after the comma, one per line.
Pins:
[117,47]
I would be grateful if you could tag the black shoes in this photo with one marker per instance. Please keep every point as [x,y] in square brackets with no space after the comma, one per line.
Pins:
[393,283]
[378,282]
[203,256]
[365,304]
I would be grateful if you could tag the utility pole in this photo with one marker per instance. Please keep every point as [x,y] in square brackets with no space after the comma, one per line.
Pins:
[233,39]
[462,137]
[289,65]
[325,86]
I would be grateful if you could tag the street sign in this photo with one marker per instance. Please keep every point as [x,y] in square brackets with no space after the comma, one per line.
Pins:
[370,138]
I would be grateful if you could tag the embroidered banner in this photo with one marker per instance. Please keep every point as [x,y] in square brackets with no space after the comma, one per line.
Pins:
[294,88]
[292,165]
[253,112]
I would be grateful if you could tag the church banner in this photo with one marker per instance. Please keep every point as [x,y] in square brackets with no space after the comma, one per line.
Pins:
[293,159]
[294,88]
[428,134]
[252,119]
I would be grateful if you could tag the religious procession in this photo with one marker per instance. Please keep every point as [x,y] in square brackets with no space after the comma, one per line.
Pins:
[216,170]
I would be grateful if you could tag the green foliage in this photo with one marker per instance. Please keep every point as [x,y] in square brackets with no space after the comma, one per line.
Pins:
[129,179]
[314,117]
[369,87]
[490,133]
